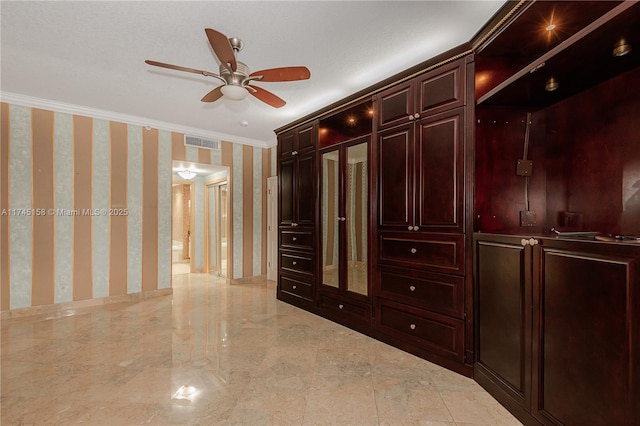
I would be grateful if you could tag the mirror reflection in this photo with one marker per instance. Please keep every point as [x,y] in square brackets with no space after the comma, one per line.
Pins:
[344,218]
[330,219]
[356,215]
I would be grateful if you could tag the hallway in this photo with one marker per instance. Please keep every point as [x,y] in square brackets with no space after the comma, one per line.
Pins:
[219,352]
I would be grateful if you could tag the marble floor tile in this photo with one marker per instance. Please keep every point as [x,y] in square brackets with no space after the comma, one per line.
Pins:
[221,352]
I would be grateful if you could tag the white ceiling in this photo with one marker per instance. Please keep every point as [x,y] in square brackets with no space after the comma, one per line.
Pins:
[89,56]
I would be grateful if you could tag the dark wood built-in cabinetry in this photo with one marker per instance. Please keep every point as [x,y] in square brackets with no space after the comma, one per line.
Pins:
[420,211]
[556,335]
[557,277]
[421,279]
[297,215]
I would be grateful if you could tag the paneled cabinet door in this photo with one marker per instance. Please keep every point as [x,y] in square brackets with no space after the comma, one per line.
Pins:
[396,105]
[421,177]
[585,349]
[436,91]
[503,319]
[395,177]
[297,199]
[439,172]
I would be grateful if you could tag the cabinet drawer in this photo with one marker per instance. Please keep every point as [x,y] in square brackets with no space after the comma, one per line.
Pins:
[435,252]
[297,239]
[436,292]
[296,263]
[296,287]
[337,308]
[437,333]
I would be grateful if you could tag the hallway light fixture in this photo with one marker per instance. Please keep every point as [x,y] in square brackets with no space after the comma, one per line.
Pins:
[186,174]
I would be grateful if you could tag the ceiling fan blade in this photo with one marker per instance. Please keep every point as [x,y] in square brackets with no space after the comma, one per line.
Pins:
[179,68]
[283,74]
[266,97]
[222,47]
[213,95]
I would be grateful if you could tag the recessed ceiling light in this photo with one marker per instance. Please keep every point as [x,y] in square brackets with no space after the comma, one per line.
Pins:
[551,85]
[550,27]
[621,48]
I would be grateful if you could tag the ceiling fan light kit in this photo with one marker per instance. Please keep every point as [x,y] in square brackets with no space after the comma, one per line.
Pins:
[236,76]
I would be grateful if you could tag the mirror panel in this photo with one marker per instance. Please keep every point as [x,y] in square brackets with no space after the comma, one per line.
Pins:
[356,214]
[330,213]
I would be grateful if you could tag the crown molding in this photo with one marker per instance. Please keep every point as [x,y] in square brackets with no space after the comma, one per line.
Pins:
[33,102]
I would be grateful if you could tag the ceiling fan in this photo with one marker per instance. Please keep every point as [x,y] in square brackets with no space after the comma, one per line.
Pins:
[236,76]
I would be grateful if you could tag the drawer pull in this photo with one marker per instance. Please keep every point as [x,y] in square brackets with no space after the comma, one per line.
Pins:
[340,306]
[412,287]
[294,263]
[412,326]
[524,242]
[295,286]
[410,228]
[415,228]
[414,250]
[295,238]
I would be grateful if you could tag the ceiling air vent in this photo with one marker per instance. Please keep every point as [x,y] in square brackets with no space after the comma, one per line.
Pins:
[201,143]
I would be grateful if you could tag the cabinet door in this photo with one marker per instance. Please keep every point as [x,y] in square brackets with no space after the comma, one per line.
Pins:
[286,144]
[395,105]
[305,189]
[442,89]
[331,218]
[356,214]
[440,172]
[395,174]
[286,191]
[306,139]
[587,308]
[503,321]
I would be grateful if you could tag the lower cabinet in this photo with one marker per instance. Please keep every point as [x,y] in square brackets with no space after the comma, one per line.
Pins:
[558,340]
[420,296]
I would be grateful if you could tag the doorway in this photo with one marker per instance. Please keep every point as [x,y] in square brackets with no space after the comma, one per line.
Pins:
[181,226]
[217,227]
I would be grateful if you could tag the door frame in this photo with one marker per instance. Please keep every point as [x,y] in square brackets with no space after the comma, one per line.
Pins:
[206,186]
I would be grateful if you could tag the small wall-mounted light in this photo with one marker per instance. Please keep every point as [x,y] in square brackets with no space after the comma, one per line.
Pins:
[551,85]
[621,48]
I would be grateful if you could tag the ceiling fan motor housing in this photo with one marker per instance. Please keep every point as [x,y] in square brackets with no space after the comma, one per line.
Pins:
[238,76]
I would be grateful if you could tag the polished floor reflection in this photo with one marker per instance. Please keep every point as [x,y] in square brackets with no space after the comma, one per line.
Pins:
[220,352]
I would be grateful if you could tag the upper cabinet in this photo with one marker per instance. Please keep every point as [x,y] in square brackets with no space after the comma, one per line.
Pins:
[297,141]
[439,90]
[297,171]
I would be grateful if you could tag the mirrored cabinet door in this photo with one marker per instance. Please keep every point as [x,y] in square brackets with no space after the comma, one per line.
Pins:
[356,188]
[330,218]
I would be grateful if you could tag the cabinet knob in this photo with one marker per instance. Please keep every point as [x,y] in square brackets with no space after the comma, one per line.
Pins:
[415,228]
[412,287]
[416,115]
[524,242]
[294,224]
[295,238]
[410,117]
[533,241]
[294,263]
[410,228]
[340,306]
[295,286]
[412,326]
[294,152]
[414,250]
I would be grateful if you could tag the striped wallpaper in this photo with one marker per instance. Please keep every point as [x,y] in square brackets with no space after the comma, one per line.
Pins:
[86,206]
